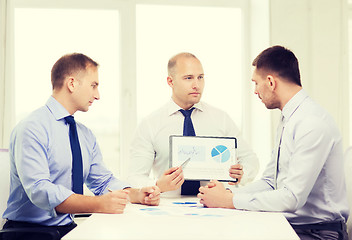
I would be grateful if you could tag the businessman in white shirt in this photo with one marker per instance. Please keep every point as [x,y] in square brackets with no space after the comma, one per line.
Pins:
[150,147]
[305,177]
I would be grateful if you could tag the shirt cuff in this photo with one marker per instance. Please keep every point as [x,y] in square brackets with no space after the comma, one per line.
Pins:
[241,201]
[56,199]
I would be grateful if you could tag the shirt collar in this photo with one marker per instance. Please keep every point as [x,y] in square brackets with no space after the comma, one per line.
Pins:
[58,111]
[174,108]
[294,103]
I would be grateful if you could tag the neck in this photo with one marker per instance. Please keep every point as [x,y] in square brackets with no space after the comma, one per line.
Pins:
[182,105]
[65,101]
[287,93]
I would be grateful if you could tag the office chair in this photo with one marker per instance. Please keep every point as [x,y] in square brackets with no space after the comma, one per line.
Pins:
[12,233]
[348,176]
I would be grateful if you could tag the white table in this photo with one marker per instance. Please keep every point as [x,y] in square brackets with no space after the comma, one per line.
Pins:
[183,221]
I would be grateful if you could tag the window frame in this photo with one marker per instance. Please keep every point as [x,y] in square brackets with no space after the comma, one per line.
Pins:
[349,100]
[127,56]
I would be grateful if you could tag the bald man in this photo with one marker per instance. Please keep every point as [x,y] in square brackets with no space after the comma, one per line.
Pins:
[150,147]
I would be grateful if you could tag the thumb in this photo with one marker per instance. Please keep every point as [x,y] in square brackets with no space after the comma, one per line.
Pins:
[170,170]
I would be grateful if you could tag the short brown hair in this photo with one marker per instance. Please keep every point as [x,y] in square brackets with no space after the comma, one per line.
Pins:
[281,61]
[69,64]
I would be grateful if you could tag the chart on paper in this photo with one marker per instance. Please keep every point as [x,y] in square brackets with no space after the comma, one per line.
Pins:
[207,157]
[220,154]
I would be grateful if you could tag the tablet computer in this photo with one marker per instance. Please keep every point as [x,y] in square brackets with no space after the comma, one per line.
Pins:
[203,157]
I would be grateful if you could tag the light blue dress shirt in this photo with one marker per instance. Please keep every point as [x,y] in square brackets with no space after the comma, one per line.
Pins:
[310,180]
[41,165]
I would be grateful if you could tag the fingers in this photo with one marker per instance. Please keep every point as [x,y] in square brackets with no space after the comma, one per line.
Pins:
[236,167]
[151,192]
[177,178]
[150,195]
[236,171]
[170,170]
[172,179]
[115,201]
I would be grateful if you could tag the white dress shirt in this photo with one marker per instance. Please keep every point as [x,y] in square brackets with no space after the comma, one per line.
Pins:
[150,147]
[310,179]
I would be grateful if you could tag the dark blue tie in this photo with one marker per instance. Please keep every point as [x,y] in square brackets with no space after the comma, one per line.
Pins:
[189,187]
[77,168]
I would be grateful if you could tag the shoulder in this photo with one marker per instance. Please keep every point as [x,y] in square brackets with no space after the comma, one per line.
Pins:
[311,117]
[211,110]
[36,125]
[157,114]
[39,118]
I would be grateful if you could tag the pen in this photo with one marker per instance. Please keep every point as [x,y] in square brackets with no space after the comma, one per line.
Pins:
[184,202]
[183,165]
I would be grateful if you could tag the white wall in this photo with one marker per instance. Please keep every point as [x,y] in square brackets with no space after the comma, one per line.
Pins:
[316,31]
[2,66]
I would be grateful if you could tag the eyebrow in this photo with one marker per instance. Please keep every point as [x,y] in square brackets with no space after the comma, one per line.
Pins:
[190,75]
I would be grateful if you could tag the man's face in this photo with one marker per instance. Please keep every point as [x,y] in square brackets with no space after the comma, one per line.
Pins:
[87,89]
[187,82]
[264,90]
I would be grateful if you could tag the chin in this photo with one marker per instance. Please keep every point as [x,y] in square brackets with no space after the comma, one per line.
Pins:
[196,100]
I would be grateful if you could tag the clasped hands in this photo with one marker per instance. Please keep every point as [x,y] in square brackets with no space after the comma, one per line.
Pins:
[116,201]
[214,195]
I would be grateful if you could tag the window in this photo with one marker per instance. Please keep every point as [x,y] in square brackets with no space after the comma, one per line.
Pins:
[58,32]
[132,41]
[165,30]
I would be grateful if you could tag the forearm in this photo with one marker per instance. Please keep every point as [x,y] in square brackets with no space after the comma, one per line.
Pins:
[112,202]
[282,200]
[77,203]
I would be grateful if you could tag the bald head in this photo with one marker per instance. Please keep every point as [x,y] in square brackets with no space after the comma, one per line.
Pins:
[172,64]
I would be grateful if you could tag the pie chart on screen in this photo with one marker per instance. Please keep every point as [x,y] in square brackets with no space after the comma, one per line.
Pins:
[220,154]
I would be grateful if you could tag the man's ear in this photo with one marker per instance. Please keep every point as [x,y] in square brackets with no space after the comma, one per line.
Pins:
[271,81]
[170,81]
[71,83]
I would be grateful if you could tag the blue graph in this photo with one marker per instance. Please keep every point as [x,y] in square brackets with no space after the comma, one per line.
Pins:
[220,154]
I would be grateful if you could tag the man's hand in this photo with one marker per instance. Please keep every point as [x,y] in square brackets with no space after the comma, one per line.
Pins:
[171,179]
[111,202]
[214,195]
[149,195]
[236,172]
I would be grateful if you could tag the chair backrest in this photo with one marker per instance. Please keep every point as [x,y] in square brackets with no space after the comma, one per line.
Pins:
[4,182]
[348,176]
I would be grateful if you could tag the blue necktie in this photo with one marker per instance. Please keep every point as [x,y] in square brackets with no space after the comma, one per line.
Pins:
[189,187]
[188,129]
[77,168]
